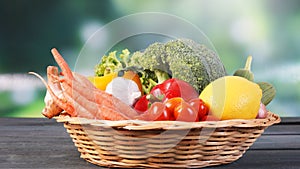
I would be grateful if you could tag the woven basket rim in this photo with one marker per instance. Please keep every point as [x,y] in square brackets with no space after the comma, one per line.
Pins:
[271,119]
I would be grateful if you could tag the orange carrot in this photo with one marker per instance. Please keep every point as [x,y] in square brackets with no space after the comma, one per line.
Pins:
[95,102]
[62,64]
[91,93]
[60,102]
[51,108]
[80,97]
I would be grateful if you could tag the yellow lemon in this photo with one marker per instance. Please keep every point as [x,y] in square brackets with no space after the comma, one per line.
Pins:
[232,97]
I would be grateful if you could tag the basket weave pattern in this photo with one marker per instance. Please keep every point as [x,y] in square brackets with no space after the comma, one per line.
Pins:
[169,144]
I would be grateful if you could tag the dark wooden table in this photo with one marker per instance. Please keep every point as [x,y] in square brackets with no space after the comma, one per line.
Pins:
[43,143]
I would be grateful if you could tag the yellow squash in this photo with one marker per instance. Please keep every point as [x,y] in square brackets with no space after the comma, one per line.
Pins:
[103,81]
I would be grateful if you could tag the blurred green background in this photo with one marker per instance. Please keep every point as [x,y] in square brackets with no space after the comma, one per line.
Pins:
[268,30]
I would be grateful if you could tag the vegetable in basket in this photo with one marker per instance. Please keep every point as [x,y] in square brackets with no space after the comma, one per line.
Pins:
[183,59]
[111,63]
[124,89]
[171,75]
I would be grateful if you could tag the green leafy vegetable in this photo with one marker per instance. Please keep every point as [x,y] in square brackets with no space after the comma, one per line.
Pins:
[111,63]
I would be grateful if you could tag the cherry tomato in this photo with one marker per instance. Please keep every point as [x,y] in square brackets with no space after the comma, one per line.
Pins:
[164,116]
[156,112]
[185,112]
[200,107]
[172,103]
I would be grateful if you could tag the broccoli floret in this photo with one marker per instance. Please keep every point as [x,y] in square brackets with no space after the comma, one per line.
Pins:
[152,64]
[183,59]
[152,59]
[111,63]
[193,63]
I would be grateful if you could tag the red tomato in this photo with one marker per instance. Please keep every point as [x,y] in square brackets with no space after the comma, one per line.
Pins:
[164,116]
[156,112]
[172,103]
[200,107]
[185,112]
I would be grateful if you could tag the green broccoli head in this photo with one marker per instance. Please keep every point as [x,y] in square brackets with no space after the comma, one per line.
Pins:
[193,63]
[183,59]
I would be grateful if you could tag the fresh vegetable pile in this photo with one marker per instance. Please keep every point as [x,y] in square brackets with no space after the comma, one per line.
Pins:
[184,81]
[178,80]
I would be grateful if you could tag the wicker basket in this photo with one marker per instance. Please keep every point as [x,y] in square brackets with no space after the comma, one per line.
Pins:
[168,144]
